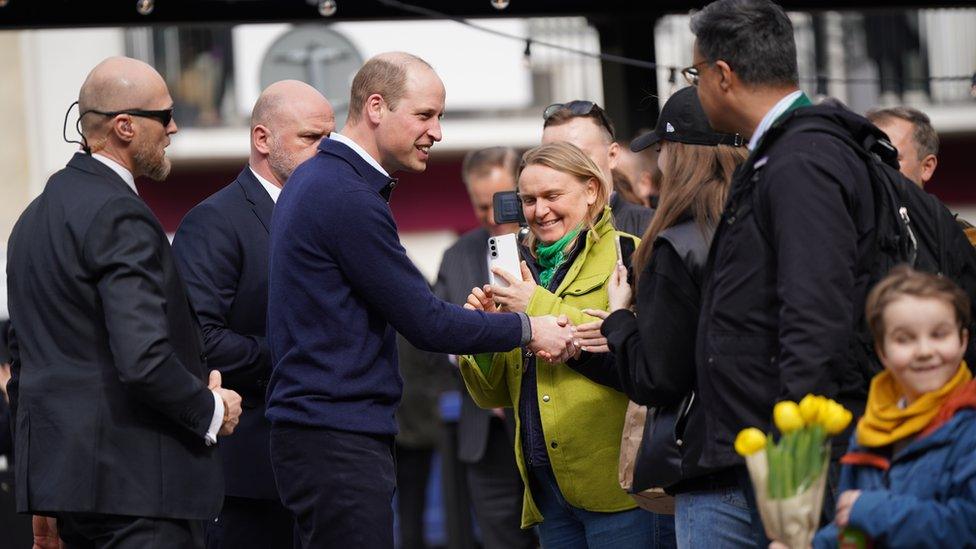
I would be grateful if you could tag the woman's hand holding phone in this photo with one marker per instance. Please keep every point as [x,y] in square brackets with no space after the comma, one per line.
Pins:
[619,293]
[516,296]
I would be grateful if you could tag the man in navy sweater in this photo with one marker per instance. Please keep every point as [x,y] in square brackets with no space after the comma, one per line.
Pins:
[340,285]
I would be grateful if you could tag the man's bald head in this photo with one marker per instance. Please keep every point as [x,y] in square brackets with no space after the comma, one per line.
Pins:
[288,121]
[384,74]
[136,140]
[115,84]
[287,98]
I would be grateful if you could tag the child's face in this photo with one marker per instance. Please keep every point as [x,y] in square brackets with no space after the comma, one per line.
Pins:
[922,345]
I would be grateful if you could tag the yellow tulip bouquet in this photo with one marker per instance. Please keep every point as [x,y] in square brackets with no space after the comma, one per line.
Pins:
[789,475]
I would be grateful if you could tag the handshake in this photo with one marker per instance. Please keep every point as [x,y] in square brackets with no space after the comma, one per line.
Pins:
[554,339]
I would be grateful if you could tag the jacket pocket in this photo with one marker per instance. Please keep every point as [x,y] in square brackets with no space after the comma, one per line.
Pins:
[582,286]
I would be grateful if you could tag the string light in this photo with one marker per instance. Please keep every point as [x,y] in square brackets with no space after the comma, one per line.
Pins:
[328,8]
[499,4]
[145,7]
[527,54]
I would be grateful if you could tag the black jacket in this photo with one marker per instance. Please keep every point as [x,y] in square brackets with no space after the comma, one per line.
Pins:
[6,441]
[221,248]
[653,354]
[786,283]
[108,386]
[654,351]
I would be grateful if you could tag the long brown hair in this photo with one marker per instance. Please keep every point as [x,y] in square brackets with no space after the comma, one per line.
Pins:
[695,179]
[569,159]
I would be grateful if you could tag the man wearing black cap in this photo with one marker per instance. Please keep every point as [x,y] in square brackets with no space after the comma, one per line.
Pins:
[682,120]
[586,125]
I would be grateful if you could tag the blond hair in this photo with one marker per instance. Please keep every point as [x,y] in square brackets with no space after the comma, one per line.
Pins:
[567,158]
[385,75]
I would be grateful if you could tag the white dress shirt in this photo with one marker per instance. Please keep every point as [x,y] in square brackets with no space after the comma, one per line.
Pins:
[359,150]
[272,189]
[123,172]
[774,113]
[218,416]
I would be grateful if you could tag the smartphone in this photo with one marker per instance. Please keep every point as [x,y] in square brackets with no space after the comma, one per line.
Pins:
[503,253]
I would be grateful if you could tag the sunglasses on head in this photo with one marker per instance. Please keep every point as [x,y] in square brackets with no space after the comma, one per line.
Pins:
[580,108]
[164,116]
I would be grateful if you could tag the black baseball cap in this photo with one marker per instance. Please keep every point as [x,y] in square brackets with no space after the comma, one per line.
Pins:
[682,120]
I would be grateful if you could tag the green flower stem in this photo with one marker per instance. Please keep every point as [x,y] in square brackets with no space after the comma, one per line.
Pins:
[800,454]
[772,479]
[789,451]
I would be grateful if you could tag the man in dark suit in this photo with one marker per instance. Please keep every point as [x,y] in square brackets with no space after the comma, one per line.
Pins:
[114,418]
[221,248]
[485,436]
[16,527]
[586,125]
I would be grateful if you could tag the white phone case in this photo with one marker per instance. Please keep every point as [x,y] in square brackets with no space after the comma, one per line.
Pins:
[503,253]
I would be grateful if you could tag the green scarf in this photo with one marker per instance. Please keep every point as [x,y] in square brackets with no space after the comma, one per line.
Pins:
[551,256]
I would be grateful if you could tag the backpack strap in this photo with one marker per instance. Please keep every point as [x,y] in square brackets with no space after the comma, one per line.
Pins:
[879,156]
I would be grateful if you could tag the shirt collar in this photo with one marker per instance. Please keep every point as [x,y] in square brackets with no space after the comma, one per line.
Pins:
[359,150]
[774,113]
[272,189]
[124,173]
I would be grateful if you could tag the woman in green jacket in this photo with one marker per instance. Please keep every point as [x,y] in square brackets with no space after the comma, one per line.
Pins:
[569,427]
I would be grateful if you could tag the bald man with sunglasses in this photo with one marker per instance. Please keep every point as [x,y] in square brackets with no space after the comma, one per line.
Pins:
[115,415]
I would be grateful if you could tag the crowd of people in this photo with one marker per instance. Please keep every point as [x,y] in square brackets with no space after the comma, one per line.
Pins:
[240,388]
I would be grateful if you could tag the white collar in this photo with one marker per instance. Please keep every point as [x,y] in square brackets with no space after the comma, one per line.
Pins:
[272,189]
[124,173]
[774,113]
[359,150]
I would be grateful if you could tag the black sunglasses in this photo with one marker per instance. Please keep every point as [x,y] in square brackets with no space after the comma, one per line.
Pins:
[164,116]
[581,108]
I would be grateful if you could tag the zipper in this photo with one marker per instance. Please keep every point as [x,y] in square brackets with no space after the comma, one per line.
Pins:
[906,220]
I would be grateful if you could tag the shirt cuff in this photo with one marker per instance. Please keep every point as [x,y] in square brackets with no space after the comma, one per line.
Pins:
[216,421]
[526,329]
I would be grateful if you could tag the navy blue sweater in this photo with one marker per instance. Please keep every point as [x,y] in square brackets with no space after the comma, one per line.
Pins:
[340,284]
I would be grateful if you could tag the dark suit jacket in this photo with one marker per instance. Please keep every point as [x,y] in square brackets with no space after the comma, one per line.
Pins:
[221,248]
[464,266]
[6,442]
[108,386]
[628,217]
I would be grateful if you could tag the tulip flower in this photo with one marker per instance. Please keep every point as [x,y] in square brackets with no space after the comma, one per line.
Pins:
[749,441]
[787,417]
[838,418]
[810,408]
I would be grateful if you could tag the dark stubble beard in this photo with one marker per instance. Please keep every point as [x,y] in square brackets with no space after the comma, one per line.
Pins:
[281,163]
[150,160]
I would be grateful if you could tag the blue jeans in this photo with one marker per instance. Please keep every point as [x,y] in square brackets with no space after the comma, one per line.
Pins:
[720,517]
[567,527]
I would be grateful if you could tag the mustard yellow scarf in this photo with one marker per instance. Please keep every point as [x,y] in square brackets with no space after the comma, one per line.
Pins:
[885,423]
